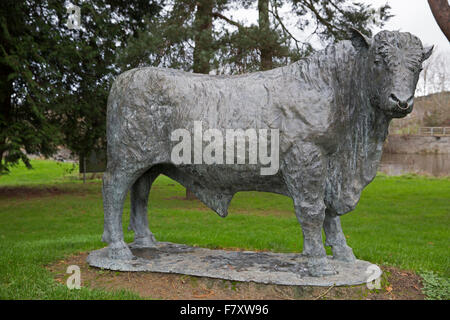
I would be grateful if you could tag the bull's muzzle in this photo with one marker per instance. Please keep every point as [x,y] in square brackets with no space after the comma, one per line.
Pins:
[402,103]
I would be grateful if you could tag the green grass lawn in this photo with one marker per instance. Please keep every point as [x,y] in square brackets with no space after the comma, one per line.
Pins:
[400,221]
[42,172]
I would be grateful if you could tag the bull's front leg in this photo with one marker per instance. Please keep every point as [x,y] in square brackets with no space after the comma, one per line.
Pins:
[304,175]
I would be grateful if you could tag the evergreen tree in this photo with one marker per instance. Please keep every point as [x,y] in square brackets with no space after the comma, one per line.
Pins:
[54,80]
[203,38]
[271,44]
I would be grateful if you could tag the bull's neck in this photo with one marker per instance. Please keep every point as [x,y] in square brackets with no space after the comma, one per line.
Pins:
[367,126]
[343,70]
[369,119]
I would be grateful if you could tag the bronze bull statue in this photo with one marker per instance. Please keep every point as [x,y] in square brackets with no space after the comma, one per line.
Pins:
[332,111]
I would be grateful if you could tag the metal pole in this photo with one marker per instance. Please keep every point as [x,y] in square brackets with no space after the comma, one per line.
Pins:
[84,169]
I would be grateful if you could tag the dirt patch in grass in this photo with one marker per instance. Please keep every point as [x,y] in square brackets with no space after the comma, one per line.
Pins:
[395,284]
[35,192]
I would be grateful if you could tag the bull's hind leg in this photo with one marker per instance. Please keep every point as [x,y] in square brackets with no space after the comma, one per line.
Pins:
[115,187]
[336,238]
[303,173]
[143,237]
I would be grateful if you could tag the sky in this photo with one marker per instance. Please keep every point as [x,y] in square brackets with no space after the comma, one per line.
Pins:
[415,16]
[412,16]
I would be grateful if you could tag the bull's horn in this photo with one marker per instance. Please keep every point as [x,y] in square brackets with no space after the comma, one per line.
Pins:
[358,39]
[426,53]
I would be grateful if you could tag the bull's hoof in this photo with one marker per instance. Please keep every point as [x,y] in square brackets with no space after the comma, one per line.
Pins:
[119,251]
[318,267]
[144,242]
[344,254]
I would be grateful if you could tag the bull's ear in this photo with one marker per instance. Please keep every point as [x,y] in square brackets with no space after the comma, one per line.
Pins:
[426,53]
[359,40]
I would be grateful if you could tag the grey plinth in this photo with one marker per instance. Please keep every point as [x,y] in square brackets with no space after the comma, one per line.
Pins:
[261,267]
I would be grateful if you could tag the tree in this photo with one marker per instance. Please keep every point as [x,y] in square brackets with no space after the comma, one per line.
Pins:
[264,28]
[331,19]
[327,20]
[435,75]
[255,47]
[436,110]
[441,13]
[55,80]
[25,84]
[236,48]
[106,25]
[203,38]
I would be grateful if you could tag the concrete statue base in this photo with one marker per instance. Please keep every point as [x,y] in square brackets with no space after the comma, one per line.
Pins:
[261,267]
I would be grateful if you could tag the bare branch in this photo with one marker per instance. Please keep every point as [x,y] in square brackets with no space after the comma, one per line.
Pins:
[274,13]
[332,29]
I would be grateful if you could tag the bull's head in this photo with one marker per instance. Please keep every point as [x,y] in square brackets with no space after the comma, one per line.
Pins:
[392,64]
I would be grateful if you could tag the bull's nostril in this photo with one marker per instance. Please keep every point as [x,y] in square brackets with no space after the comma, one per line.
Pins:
[394,97]
[403,105]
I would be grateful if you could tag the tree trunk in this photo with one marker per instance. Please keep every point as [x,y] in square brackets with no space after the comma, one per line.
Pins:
[203,51]
[264,27]
[441,13]
[6,91]
[190,195]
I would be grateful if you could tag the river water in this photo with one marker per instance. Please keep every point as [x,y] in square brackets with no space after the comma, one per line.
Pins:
[432,164]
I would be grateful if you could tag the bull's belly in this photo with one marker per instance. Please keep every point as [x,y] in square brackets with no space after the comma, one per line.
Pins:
[227,178]
[215,185]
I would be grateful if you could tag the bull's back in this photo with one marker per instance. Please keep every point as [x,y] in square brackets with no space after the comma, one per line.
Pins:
[147,104]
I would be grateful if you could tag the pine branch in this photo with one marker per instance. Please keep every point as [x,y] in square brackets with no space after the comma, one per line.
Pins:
[332,29]
[234,23]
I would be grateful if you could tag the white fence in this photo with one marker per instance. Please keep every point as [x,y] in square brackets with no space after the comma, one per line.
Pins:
[434,131]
